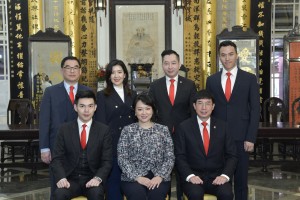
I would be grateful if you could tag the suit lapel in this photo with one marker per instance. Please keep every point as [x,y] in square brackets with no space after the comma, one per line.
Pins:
[116,98]
[67,111]
[163,91]
[63,92]
[213,129]
[237,83]
[180,89]
[94,133]
[197,135]
[75,136]
[219,86]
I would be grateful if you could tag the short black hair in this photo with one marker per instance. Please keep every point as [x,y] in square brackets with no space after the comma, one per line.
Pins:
[169,52]
[227,43]
[84,94]
[147,99]
[203,94]
[69,58]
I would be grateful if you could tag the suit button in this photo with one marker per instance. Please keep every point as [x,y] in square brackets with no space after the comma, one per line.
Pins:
[129,116]
[116,106]
[120,128]
[120,116]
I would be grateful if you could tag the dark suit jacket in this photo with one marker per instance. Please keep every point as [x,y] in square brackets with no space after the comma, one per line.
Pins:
[190,154]
[182,109]
[56,108]
[243,109]
[67,150]
[115,113]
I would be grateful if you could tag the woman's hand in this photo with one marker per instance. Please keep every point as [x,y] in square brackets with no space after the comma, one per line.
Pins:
[143,181]
[154,182]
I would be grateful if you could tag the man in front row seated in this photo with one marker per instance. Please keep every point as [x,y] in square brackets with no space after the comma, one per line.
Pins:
[82,157]
[205,152]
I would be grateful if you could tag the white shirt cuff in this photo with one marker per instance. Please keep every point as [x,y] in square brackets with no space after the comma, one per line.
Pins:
[45,150]
[189,176]
[225,177]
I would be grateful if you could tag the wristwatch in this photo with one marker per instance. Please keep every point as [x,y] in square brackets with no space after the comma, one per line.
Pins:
[98,178]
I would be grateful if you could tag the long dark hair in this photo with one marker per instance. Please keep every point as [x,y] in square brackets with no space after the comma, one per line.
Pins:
[109,85]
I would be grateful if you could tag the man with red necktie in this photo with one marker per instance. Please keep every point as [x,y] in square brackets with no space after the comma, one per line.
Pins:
[57,107]
[82,155]
[172,93]
[205,153]
[173,96]
[236,94]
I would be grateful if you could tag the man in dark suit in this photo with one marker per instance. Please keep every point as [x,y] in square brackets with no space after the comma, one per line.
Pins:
[236,94]
[57,107]
[205,152]
[171,114]
[82,155]
[172,95]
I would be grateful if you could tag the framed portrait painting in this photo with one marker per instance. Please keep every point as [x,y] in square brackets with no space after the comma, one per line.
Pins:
[140,32]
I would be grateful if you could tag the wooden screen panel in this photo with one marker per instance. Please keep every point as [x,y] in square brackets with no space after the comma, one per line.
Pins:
[294,88]
[294,50]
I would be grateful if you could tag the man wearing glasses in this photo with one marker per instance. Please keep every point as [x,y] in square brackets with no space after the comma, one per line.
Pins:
[57,107]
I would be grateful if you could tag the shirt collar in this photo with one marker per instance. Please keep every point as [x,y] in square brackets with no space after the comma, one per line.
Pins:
[233,71]
[175,78]
[80,123]
[200,121]
[68,85]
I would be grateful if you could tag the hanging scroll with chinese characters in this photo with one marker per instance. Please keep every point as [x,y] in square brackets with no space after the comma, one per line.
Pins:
[18,46]
[261,24]
[88,43]
[200,40]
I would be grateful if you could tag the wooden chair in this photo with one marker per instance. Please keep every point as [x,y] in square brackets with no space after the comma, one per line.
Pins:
[273,112]
[19,111]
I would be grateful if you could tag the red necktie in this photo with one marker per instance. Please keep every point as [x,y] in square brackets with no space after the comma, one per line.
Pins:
[205,137]
[228,86]
[71,94]
[83,137]
[171,91]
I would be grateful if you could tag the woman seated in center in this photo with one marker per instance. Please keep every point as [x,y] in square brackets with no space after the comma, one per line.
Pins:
[145,154]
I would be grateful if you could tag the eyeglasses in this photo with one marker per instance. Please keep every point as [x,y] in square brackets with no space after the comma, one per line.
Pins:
[68,68]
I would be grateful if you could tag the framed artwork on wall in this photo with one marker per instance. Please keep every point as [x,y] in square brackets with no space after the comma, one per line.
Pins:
[139,32]
[46,50]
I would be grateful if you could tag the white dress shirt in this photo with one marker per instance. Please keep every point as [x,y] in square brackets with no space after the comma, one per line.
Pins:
[232,77]
[87,128]
[168,82]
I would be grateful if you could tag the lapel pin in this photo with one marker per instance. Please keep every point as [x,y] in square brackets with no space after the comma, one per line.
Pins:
[215,127]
